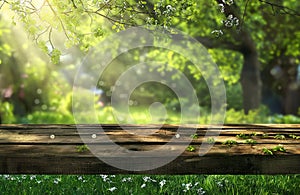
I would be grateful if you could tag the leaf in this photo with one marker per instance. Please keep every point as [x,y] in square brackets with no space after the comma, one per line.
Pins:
[55,56]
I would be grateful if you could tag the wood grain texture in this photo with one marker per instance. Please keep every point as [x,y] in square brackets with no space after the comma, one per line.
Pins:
[30,148]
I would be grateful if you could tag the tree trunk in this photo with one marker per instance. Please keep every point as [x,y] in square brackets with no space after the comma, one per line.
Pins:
[250,75]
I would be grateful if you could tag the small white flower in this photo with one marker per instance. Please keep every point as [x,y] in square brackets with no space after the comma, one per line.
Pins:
[230,2]
[177,135]
[220,184]
[6,176]
[56,181]
[236,21]
[162,183]
[146,178]
[222,9]
[105,178]
[200,191]
[169,7]
[32,177]
[94,136]
[52,136]
[187,186]
[125,179]
[217,32]
[112,189]
[143,185]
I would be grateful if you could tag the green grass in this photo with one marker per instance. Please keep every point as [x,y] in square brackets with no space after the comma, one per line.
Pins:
[144,115]
[141,184]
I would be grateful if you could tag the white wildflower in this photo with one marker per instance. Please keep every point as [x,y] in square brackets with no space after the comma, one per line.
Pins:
[32,177]
[187,186]
[220,184]
[112,189]
[222,8]
[162,183]
[125,179]
[105,178]
[200,191]
[169,7]
[146,179]
[56,180]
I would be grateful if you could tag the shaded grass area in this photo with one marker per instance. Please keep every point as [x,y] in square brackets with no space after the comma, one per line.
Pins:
[144,115]
[141,184]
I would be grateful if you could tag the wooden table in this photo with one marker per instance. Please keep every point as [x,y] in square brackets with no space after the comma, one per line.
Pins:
[238,149]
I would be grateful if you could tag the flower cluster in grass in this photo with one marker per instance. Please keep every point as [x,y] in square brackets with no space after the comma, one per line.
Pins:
[189,186]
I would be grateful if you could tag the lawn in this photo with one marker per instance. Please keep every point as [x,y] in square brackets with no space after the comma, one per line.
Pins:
[150,184]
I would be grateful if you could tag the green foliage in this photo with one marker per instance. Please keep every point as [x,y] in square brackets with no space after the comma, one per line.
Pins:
[82,148]
[55,56]
[251,141]
[278,136]
[243,136]
[194,136]
[48,117]
[267,151]
[6,112]
[86,23]
[278,148]
[229,143]
[190,148]
[294,136]
[246,136]
[260,115]
[285,119]
[210,140]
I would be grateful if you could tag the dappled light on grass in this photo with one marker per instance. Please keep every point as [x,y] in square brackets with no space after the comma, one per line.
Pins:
[141,115]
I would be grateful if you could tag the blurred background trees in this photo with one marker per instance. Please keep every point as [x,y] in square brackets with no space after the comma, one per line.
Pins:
[256,45]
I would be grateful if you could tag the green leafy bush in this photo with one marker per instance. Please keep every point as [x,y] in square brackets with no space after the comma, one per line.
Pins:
[44,117]
[286,119]
[6,111]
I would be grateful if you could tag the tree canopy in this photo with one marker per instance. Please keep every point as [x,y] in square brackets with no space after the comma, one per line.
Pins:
[246,38]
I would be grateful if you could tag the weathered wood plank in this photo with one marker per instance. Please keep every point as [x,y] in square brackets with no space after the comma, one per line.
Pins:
[30,149]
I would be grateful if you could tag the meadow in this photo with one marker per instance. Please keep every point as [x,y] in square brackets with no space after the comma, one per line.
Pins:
[150,184]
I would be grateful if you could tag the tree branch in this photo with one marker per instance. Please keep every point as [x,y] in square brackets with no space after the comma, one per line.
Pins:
[217,43]
[60,21]
[210,42]
[284,9]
